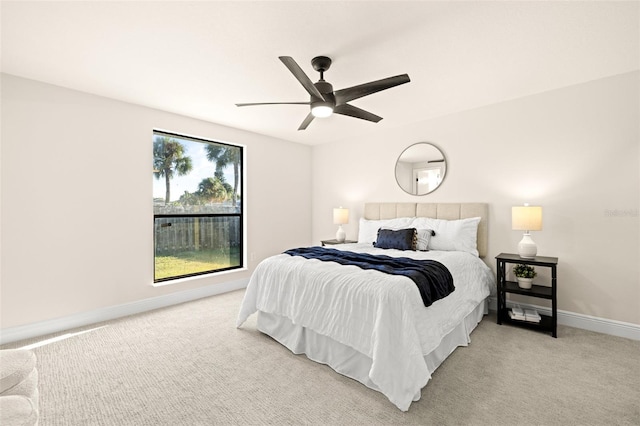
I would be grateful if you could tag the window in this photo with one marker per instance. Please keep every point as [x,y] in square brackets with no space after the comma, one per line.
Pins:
[197,206]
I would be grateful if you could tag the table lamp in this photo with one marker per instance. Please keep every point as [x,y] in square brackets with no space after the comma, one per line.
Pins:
[340,217]
[526,218]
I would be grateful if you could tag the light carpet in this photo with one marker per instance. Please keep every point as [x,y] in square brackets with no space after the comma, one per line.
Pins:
[189,365]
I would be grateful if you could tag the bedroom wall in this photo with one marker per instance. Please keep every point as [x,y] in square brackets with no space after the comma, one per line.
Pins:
[574,151]
[76,230]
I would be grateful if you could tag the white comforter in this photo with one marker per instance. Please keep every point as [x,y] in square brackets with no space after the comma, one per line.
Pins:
[379,315]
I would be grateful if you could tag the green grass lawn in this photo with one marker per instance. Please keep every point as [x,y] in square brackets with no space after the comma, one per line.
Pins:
[193,262]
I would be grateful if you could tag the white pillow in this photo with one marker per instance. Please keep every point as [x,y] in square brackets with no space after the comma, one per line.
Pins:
[451,235]
[422,239]
[368,229]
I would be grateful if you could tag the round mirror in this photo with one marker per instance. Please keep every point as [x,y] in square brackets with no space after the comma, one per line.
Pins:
[420,169]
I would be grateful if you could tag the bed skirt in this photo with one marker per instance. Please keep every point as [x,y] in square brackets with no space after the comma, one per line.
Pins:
[349,362]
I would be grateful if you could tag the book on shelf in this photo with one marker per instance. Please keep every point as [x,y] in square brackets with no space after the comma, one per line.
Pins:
[531,315]
[517,313]
[514,315]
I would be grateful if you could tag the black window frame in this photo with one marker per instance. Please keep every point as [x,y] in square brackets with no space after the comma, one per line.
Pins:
[239,215]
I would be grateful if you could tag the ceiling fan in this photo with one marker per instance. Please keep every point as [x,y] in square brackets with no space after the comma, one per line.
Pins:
[324,101]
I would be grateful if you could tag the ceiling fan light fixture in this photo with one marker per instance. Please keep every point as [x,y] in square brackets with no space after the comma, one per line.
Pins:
[321,109]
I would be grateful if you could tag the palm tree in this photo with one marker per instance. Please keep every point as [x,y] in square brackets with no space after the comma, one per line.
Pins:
[224,155]
[169,160]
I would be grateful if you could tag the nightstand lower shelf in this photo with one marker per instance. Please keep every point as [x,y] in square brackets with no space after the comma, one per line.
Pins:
[545,324]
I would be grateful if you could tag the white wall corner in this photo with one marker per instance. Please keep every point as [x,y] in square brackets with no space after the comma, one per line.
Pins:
[27,331]
[585,322]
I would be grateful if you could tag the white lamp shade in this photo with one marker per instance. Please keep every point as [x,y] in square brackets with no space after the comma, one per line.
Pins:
[340,216]
[526,218]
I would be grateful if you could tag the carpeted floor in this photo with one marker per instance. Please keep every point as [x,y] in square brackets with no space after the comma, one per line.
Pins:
[189,365]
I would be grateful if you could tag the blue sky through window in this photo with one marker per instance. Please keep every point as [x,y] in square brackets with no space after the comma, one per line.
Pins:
[202,168]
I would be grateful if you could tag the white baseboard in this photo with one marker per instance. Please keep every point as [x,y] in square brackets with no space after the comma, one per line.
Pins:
[585,322]
[13,334]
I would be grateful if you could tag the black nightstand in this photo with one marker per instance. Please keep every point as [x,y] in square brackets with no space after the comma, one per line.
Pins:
[547,323]
[334,242]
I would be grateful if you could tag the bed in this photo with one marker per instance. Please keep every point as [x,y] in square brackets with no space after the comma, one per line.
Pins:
[371,326]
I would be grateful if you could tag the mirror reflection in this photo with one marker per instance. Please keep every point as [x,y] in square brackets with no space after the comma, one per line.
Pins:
[420,169]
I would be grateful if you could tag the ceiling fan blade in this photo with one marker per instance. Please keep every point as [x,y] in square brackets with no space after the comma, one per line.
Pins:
[352,111]
[355,92]
[274,103]
[301,76]
[306,122]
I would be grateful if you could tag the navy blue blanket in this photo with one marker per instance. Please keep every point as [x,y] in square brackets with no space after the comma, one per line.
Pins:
[433,279]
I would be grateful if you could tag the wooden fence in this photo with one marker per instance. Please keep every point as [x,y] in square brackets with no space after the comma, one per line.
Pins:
[175,234]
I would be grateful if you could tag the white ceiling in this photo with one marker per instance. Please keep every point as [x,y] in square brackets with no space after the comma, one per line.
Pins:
[200,58]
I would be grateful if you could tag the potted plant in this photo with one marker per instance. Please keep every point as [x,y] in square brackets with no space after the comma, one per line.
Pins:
[524,274]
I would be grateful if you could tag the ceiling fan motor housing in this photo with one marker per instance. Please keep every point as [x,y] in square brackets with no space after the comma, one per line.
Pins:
[327,91]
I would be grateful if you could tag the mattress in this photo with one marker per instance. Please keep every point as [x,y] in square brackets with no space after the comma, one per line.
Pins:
[375,319]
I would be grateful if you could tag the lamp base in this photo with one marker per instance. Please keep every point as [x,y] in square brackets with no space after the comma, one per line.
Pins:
[527,248]
[340,235]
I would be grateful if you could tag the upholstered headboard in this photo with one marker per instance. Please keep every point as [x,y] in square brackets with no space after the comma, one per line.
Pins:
[447,211]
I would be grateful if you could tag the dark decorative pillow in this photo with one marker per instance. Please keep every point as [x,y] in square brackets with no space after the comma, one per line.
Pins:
[401,239]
